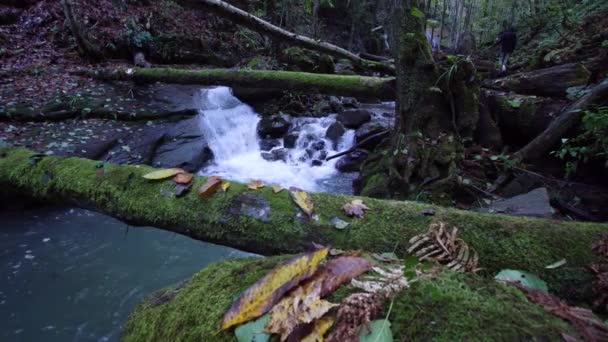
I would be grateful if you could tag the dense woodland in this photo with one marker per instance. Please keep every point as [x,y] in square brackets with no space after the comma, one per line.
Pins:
[479,195]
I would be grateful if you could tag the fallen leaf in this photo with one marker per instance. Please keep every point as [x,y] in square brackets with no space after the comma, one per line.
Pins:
[302,306]
[162,174]
[255,184]
[338,223]
[253,331]
[302,199]
[378,331]
[321,326]
[355,312]
[261,296]
[385,257]
[225,186]
[384,282]
[183,178]
[556,264]
[210,187]
[355,208]
[526,279]
[277,188]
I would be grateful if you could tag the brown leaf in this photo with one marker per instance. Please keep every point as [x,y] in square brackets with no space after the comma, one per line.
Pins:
[355,312]
[261,296]
[441,243]
[183,178]
[302,199]
[255,184]
[321,326]
[210,187]
[355,208]
[339,271]
[582,320]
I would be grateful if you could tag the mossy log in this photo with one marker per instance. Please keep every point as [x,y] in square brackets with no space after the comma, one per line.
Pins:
[452,307]
[345,85]
[264,222]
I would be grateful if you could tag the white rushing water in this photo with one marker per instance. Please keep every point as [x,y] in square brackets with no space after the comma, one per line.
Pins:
[230,127]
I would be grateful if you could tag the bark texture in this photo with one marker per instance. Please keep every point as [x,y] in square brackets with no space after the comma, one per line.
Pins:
[85,47]
[264,222]
[344,85]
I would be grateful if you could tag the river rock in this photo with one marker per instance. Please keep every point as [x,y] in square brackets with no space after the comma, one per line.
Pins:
[316,162]
[369,129]
[289,141]
[321,108]
[275,126]
[318,145]
[269,144]
[275,155]
[334,132]
[352,161]
[354,118]
[350,102]
[534,203]
[185,146]
[336,104]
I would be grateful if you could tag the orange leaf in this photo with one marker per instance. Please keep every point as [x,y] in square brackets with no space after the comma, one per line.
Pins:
[255,184]
[261,296]
[183,178]
[210,187]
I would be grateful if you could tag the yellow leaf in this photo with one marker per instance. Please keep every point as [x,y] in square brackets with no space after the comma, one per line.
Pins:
[210,187]
[276,188]
[319,329]
[162,174]
[302,199]
[255,184]
[183,178]
[225,186]
[261,296]
[302,306]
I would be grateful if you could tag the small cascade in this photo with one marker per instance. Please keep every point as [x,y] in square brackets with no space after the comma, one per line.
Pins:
[231,129]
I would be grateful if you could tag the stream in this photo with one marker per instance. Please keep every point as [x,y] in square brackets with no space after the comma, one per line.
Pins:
[69,274]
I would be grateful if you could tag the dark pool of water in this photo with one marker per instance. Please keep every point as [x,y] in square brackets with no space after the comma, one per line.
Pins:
[75,275]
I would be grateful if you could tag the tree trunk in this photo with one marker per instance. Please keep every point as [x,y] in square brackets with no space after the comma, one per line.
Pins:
[264,222]
[567,120]
[254,23]
[85,48]
[344,85]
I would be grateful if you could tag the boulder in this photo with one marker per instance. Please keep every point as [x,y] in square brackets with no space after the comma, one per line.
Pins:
[298,59]
[336,104]
[318,145]
[334,132]
[350,102]
[289,141]
[552,81]
[269,144]
[316,162]
[352,161]
[354,118]
[276,155]
[321,108]
[275,126]
[534,203]
[367,130]
[183,146]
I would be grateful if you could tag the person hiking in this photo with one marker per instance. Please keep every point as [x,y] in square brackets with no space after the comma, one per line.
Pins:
[508,41]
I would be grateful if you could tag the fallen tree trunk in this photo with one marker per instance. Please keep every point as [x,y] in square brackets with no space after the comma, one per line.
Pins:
[268,223]
[344,85]
[568,118]
[30,114]
[254,23]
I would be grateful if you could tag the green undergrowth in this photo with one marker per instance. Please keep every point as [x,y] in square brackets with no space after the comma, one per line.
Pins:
[451,307]
[120,191]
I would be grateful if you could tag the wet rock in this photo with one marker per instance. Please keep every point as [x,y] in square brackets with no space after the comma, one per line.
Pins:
[336,104]
[344,67]
[354,118]
[352,161]
[183,146]
[310,152]
[139,60]
[350,102]
[289,141]
[367,130]
[316,162]
[275,126]
[321,108]
[250,204]
[534,203]
[275,155]
[322,155]
[334,132]
[318,145]
[269,144]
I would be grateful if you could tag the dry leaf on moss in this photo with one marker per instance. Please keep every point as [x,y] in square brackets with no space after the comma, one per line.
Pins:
[321,326]
[163,174]
[355,208]
[255,184]
[302,199]
[355,312]
[277,188]
[441,243]
[183,178]
[225,186]
[210,187]
[261,296]
[384,282]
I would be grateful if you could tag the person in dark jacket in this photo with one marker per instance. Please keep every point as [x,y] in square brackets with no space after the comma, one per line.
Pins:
[508,41]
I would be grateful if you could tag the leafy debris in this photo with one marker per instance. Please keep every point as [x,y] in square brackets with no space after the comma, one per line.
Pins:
[210,187]
[601,247]
[338,223]
[379,331]
[261,296]
[355,208]
[526,279]
[163,174]
[386,281]
[277,188]
[225,186]
[319,329]
[302,199]
[183,178]
[356,311]
[441,243]
[255,184]
[253,331]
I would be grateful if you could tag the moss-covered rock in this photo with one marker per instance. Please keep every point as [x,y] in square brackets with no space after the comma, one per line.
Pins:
[298,59]
[449,308]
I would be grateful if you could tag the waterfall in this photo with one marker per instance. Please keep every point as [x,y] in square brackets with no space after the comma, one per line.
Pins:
[230,127]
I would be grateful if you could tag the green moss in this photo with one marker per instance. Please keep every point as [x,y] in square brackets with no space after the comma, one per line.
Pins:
[451,307]
[375,186]
[119,190]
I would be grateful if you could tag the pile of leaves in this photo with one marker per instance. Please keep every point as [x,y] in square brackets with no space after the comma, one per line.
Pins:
[600,270]
[289,301]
